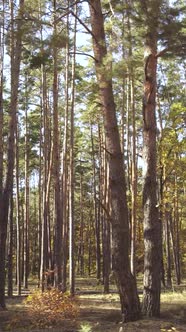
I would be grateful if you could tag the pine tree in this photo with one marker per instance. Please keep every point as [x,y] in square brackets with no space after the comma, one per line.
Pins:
[120,227]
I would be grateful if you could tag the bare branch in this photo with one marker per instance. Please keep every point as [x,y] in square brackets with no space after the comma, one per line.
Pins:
[161,53]
[86,54]
[105,209]
[79,20]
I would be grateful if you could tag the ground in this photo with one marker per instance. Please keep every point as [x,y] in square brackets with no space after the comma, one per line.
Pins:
[101,313]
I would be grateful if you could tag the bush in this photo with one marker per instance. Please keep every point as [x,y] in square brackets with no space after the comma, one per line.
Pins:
[50,308]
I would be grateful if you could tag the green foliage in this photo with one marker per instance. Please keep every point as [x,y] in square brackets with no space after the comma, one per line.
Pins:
[85,328]
[40,58]
[59,40]
[50,307]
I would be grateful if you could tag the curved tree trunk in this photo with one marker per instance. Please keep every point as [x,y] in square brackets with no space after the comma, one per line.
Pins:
[120,227]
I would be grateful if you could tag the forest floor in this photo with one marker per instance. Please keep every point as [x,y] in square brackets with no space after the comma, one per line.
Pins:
[101,313]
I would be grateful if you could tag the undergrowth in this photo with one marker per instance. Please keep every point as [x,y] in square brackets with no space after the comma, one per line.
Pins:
[48,309]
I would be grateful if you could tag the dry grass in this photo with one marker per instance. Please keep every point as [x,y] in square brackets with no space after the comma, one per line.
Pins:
[101,313]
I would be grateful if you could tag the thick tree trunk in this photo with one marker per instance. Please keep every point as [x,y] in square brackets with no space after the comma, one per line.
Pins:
[152,224]
[130,306]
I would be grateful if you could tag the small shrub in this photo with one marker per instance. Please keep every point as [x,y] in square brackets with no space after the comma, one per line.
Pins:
[85,328]
[50,307]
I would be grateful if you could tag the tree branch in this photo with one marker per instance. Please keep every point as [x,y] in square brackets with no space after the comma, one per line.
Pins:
[161,53]
[79,20]
[105,209]
[86,54]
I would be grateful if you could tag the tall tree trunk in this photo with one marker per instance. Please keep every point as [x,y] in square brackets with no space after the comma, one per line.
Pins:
[39,194]
[152,224]
[26,206]
[81,235]
[65,171]
[173,235]
[5,199]
[97,221]
[18,230]
[71,176]
[47,168]
[133,143]
[2,36]
[10,248]
[176,232]
[130,305]
[161,215]
[134,176]
[167,244]
[56,169]
[106,227]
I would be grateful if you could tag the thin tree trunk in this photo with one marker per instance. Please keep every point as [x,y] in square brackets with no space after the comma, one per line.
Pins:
[177,232]
[106,228]
[18,231]
[89,240]
[56,166]
[97,221]
[81,269]
[167,244]
[133,184]
[65,170]
[130,305]
[2,34]
[26,211]
[161,190]
[47,168]
[40,195]
[10,249]
[133,163]
[5,199]
[71,177]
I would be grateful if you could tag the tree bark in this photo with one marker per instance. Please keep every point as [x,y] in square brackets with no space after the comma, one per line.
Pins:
[64,167]
[56,169]
[2,34]
[16,49]
[26,205]
[106,227]
[47,168]
[18,230]
[152,224]
[10,249]
[71,175]
[167,244]
[97,221]
[130,306]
